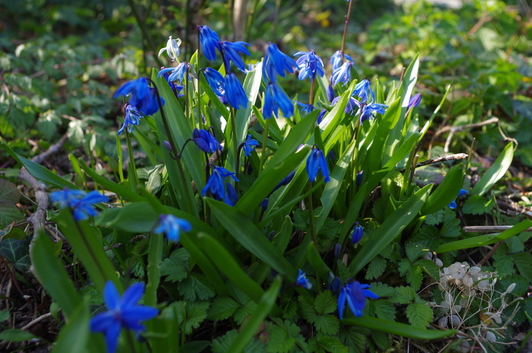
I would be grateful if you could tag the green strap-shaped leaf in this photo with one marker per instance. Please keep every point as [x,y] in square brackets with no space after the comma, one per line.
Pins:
[496,171]
[75,335]
[251,87]
[39,172]
[482,240]
[445,193]
[265,305]
[317,263]
[250,237]
[397,328]
[389,230]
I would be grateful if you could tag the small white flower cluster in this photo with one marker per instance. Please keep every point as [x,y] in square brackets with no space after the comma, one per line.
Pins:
[462,275]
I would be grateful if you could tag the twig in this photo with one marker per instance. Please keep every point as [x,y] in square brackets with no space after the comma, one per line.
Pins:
[33,322]
[489,229]
[452,157]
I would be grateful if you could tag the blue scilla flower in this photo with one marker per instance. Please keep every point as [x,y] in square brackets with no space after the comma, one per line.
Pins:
[321,115]
[309,65]
[302,280]
[349,107]
[82,204]
[306,108]
[359,178]
[215,80]
[230,52]
[174,86]
[172,227]
[363,91]
[209,42]
[274,99]
[231,196]
[215,184]
[355,294]
[368,111]
[205,141]
[316,162]
[123,312]
[342,74]
[276,63]
[414,100]
[357,234]
[234,92]
[452,205]
[132,118]
[177,74]
[141,95]
[337,59]
[171,49]
[287,179]
[249,145]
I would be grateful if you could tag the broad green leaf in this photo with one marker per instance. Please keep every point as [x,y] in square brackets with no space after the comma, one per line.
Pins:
[264,307]
[389,230]
[384,309]
[496,171]
[445,193]
[250,237]
[399,329]
[251,87]
[482,240]
[16,251]
[477,205]
[155,254]
[75,335]
[386,123]
[15,335]
[325,302]
[317,263]
[222,308]
[9,196]
[419,315]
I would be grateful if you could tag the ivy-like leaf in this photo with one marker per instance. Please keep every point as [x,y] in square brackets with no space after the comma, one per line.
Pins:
[222,308]
[477,204]
[325,303]
[9,196]
[376,267]
[16,251]
[419,315]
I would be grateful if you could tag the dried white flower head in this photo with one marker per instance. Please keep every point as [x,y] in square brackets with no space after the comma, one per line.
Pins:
[172,48]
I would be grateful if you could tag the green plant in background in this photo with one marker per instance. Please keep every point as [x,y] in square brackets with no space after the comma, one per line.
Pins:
[278,209]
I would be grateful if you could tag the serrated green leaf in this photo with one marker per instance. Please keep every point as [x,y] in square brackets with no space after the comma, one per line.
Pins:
[196,313]
[382,290]
[308,311]
[244,311]
[331,344]
[451,225]
[504,266]
[176,265]
[434,218]
[222,344]
[523,261]
[381,340]
[384,309]
[279,341]
[403,295]
[404,267]
[353,339]
[428,236]
[327,324]
[419,315]
[325,302]
[376,267]
[477,204]
[414,251]
[432,269]
[196,285]
[222,308]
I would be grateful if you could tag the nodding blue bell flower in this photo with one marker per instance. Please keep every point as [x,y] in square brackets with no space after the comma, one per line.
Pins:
[452,205]
[231,197]
[276,63]
[174,86]
[330,93]
[231,52]
[132,118]
[368,111]
[364,92]
[285,181]
[123,312]
[209,42]
[215,184]
[177,74]
[205,141]
[302,280]
[309,64]
[82,204]
[249,145]
[142,97]
[414,100]
[274,99]
[316,162]
[357,234]
[337,250]
[349,107]
[359,177]
[321,115]
[171,227]
[355,294]
[234,92]
[215,80]
[337,61]
[264,204]
[342,74]
[171,49]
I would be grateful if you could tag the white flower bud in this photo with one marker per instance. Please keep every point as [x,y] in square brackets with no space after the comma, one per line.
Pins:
[490,336]
[511,287]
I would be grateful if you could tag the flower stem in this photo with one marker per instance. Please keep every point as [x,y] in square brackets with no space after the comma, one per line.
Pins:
[235,138]
[344,36]
[313,228]
[311,96]
[132,168]
[130,341]
[264,144]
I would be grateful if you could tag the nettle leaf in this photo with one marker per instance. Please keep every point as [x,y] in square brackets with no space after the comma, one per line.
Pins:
[435,218]
[419,315]
[9,196]
[327,324]
[403,295]
[477,204]
[176,265]
[222,308]
[451,225]
[17,252]
[523,261]
[382,290]
[376,267]
[196,285]
[384,309]
[432,269]
[196,313]
[222,344]
[325,302]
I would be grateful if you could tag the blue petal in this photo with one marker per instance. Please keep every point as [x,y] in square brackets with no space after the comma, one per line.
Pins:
[111,336]
[341,302]
[102,321]
[132,295]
